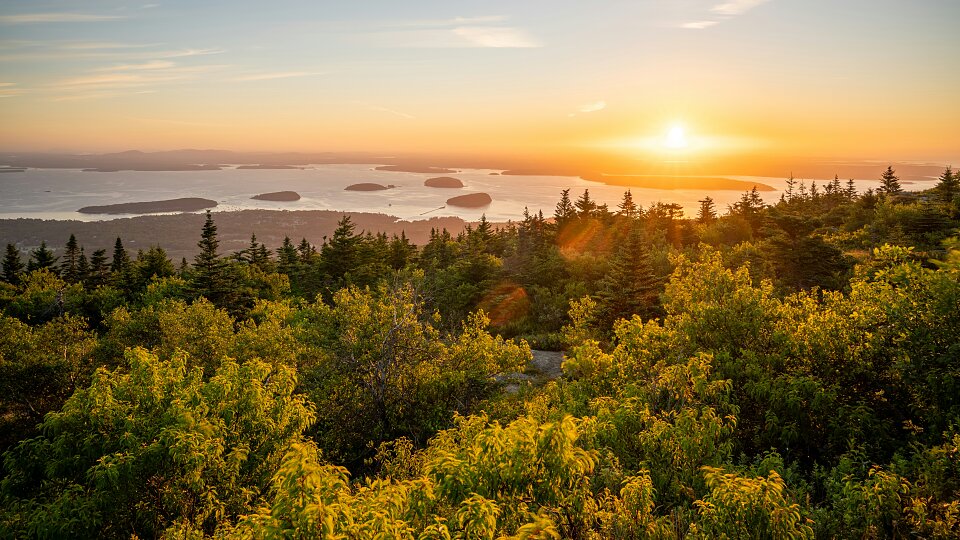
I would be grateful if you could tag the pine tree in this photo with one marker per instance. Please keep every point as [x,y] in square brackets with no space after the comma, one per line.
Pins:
[40,258]
[83,266]
[121,261]
[889,182]
[565,211]
[306,252]
[630,287]
[949,185]
[707,212]
[12,265]
[209,270]
[627,207]
[70,262]
[585,205]
[339,256]
[851,191]
[287,258]
[99,268]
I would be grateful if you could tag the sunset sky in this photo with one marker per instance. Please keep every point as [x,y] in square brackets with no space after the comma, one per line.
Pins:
[852,79]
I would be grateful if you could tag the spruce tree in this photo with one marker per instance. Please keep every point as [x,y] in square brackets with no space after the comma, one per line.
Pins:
[83,266]
[40,258]
[628,208]
[707,212]
[287,258]
[121,261]
[949,185]
[99,268]
[585,206]
[889,182]
[630,287]
[565,211]
[69,265]
[209,270]
[12,265]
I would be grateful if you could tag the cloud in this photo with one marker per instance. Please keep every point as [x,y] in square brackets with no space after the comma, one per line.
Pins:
[277,75]
[479,31]
[735,7]
[37,18]
[495,36]
[723,12]
[7,89]
[590,107]
[698,25]
[155,64]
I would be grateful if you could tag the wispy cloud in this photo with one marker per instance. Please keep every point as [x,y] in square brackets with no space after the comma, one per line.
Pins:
[496,36]
[38,18]
[698,25]
[722,12]
[590,107]
[9,89]
[487,31]
[154,64]
[277,75]
[736,7]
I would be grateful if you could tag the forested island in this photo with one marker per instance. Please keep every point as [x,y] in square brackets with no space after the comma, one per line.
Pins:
[759,371]
[184,204]
[278,196]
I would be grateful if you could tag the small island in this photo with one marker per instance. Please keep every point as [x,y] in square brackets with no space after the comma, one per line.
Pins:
[187,204]
[368,186]
[278,196]
[12,169]
[443,182]
[472,200]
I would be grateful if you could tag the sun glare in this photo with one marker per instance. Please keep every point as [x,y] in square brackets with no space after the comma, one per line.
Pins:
[675,139]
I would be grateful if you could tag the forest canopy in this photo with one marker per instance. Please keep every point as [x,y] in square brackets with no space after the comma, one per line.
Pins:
[760,371]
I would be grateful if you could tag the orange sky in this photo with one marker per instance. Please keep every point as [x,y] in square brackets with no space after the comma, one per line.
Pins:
[747,79]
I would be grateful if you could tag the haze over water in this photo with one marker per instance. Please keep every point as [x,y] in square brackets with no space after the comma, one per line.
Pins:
[59,193]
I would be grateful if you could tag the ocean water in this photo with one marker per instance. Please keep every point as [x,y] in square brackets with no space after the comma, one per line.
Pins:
[58,193]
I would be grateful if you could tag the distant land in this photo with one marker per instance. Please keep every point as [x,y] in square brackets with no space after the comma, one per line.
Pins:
[706,183]
[12,169]
[426,169]
[577,164]
[187,204]
[368,186]
[471,200]
[270,167]
[278,196]
[443,182]
[178,234]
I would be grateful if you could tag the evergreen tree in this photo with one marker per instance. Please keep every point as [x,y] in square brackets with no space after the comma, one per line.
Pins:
[565,211]
[287,258]
[949,185]
[889,182]
[121,261]
[851,191]
[209,270]
[340,255]
[401,251]
[99,268]
[70,262]
[707,212]
[585,206]
[153,263]
[12,265]
[83,266]
[42,257]
[306,252]
[630,287]
[628,208]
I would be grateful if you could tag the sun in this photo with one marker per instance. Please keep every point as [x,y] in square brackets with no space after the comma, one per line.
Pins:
[675,138]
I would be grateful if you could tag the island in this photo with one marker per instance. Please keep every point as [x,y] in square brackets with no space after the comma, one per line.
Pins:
[472,200]
[278,196]
[368,186]
[12,169]
[269,167]
[704,183]
[416,169]
[443,182]
[187,204]
[149,167]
